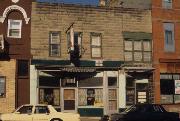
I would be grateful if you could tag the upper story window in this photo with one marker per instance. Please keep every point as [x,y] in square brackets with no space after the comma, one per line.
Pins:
[169,37]
[137,50]
[2,87]
[96,47]
[54,44]
[167,4]
[14,28]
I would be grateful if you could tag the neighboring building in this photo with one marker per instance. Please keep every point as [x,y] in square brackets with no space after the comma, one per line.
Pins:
[166,52]
[84,57]
[14,53]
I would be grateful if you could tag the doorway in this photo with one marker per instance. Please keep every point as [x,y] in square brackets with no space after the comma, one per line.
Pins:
[69,97]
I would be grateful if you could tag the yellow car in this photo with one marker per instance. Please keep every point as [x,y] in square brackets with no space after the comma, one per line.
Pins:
[38,113]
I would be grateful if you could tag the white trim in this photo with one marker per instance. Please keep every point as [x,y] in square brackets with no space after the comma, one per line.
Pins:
[19,28]
[142,81]
[14,7]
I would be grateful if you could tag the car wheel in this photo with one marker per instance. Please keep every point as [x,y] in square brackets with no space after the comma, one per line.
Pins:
[56,119]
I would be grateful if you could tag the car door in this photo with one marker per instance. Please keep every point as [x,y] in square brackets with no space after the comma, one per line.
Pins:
[41,113]
[24,113]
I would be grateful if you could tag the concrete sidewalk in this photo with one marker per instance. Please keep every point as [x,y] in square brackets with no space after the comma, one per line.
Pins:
[90,118]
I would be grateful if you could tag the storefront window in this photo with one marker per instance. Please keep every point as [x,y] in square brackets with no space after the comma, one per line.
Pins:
[49,96]
[91,82]
[90,97]
[170,88]
[49,90]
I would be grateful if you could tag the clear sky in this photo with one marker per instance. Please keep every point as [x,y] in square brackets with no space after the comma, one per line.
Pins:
[84,2]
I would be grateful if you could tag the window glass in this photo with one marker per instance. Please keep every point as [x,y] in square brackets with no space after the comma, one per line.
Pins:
[167,4]
[2,86]
[90,96]
[91,82]
[169,37]
[23,67]
[147,45]
[128,45]
[25,110]
[50,96]
[167,86]
[128,56]
[54,44]
[14,28]
[137,56]
[137,45]
[41,109]
[96,45]
[112,81]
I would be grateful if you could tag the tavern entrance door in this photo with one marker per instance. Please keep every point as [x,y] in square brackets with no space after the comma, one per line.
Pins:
[69,100]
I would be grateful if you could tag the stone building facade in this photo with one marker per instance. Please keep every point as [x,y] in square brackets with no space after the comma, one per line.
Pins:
[84,55]
[14,53]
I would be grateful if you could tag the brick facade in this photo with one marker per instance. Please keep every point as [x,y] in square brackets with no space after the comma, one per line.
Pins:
[165,62]
[8,69]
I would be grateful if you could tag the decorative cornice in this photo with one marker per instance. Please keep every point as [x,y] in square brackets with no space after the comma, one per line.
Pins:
[14,7]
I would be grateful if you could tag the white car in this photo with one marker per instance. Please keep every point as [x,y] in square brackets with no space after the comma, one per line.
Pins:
[38,113]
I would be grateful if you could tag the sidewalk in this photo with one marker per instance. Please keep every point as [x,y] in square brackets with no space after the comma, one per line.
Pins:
[90,118]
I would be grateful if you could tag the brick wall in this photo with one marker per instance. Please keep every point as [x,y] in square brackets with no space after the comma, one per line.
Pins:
[110,22]
[7,69]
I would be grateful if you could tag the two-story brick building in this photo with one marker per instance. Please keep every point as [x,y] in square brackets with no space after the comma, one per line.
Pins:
[166,52]
[94,60]
[14,53]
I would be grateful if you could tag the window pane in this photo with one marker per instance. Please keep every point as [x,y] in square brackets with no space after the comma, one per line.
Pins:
[128,45]
[137,45]
[166,99]
[147,56]
[128,56]
[167,86]
[147,45]
[25,109]
[14,28]
[96,52]
[55,39]
[167,4]
[91,82]
[137,56]
[169,37]
[112,81]
[2,86]
[41,110]
[23,67]
[96,40]
[55,48]
[14,32]
[82,97]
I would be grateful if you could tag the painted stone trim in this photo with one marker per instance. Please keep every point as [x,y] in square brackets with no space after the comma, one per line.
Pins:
[14,7]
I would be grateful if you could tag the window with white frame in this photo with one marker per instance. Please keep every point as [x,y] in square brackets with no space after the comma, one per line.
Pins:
[14,28]
[54,44]
[2,87]
[169,37]
[167,4]
[96,45]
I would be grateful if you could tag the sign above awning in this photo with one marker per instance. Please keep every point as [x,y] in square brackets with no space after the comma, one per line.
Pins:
[77,69]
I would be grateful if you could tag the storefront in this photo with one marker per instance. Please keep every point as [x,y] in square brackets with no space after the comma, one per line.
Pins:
[89,91]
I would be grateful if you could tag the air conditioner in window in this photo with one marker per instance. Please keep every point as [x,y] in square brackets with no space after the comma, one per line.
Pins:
[99,62]
[1,42]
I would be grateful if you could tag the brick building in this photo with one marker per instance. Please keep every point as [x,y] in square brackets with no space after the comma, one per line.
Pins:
[91,60]
[166,52]
[14,53]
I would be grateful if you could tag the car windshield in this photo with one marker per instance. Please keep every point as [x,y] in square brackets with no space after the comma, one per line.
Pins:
[145,108]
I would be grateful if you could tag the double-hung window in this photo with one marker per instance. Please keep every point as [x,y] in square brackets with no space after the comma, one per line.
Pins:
[96,46]
[2,87]
[167,4]
[169,37]
[54,44]
[14,28]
